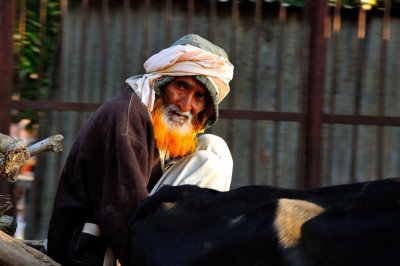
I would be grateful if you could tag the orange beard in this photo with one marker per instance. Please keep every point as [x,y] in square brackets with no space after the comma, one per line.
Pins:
[168,137]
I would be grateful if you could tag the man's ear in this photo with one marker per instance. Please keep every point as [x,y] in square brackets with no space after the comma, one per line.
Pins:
[159,93]
[208,112]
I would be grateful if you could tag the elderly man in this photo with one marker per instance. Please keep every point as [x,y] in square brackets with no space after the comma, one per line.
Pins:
[137,142]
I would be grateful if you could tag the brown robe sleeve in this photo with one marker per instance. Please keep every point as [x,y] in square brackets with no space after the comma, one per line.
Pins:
[105,176]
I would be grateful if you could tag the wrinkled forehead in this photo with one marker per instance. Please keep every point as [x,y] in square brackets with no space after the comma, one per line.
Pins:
[189,81]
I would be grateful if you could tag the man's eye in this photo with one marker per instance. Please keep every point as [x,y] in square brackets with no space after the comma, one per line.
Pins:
[200,96]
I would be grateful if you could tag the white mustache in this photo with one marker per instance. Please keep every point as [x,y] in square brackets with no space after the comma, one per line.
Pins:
[172,110]
[174,123]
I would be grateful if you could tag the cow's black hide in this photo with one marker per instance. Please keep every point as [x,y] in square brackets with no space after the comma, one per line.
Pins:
[356,224]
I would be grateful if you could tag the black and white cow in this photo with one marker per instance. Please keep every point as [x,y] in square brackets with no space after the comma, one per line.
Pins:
[355,224]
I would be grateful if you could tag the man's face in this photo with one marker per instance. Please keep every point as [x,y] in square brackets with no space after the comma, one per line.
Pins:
[183,99]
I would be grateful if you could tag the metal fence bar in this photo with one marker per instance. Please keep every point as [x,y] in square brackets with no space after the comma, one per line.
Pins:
[252,155]
[371,120]
[315,83]
[59,91]
[358,90]
[6,72]
[6,59]
[226,113]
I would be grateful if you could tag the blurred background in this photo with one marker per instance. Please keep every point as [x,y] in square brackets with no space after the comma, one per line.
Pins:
[314,99]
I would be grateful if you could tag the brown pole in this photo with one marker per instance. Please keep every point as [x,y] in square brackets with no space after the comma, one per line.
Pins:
[6,71]
[6,62]
[314,100]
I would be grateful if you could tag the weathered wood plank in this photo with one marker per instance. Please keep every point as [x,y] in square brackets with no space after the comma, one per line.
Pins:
[14,252]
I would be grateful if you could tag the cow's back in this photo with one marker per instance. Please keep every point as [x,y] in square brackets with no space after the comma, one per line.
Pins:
[352,224]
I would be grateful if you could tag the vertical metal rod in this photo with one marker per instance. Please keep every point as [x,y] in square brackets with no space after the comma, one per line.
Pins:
[42,36]
[279,80]
[6,187]
[145,32]
[125,38]
[37,184]
[6,71]
[303,52]
[315,83]
[332,98]
[82,58]
[59,92]
[190,26]
[104,48]
[382,84]
[358,90]
[252,131]
[168,23]
[6,65]
[232,58]
[213,19]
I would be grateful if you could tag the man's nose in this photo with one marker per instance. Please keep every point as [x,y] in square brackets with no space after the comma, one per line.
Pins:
[185,103]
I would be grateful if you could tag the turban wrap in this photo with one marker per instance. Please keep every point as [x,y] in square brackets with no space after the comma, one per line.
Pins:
[213,70]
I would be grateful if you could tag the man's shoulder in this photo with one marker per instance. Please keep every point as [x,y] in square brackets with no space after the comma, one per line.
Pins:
[123,101]
[126,106]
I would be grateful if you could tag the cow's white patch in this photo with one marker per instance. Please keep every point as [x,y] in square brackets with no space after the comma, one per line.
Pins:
[291,214]
[167,205]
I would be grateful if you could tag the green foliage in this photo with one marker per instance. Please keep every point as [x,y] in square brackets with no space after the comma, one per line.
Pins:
[33,50]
